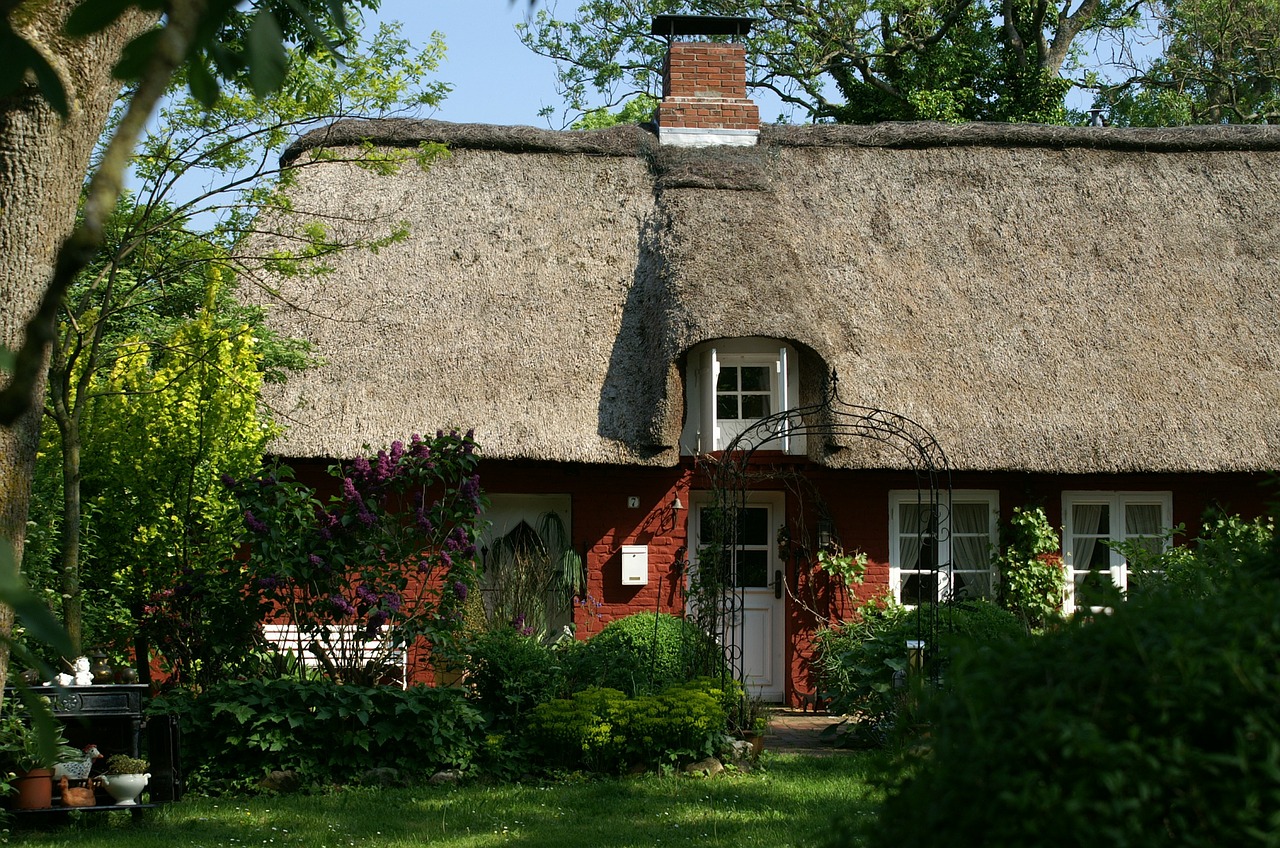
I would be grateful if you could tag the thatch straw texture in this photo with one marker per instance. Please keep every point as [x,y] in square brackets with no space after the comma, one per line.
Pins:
[1041,299]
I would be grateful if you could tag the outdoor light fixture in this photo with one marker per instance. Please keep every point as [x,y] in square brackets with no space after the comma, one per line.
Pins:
[826,533]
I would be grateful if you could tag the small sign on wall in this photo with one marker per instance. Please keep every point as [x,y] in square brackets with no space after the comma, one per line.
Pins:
[635,565]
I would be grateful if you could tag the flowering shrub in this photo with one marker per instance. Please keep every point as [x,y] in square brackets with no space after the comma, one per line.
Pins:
[384,565]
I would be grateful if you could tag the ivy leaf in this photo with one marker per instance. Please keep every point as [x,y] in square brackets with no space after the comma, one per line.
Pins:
[203,84]
[267,58]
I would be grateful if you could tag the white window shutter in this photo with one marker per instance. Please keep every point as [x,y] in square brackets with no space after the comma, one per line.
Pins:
[709,437]
[783,405]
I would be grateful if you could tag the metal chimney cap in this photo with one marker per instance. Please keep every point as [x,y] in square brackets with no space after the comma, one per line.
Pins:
[673,25]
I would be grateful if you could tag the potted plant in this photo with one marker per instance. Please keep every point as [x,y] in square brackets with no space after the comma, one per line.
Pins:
[752,722]
[29,759]
[125,778]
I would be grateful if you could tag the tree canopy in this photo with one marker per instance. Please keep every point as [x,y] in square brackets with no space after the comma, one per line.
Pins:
[1151,62]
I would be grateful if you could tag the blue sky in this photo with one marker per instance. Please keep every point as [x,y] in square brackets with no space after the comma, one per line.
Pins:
[496,79]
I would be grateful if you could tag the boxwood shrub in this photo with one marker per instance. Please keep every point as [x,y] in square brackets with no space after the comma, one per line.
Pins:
[604,730]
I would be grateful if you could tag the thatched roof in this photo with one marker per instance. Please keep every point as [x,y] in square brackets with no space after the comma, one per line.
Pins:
[1040,298]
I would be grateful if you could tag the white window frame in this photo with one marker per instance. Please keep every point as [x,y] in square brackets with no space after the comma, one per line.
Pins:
[703,431]
[900,498]
[1115,501]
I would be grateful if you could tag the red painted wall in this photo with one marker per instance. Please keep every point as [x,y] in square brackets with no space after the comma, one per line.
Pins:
[858,502]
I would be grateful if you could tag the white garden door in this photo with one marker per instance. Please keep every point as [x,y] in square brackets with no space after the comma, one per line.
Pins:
[757,628]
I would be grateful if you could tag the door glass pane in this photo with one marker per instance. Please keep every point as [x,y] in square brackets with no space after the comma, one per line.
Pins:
[753,569]
[753,526]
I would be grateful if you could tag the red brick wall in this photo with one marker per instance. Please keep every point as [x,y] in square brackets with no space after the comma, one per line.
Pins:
[858,501]
[705,87]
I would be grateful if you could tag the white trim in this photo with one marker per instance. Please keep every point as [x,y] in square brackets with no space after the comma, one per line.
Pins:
[1115,501]
[703,431]
[900,497]
[706,137]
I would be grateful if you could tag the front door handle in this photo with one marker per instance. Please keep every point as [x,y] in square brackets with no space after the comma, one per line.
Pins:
[777,584]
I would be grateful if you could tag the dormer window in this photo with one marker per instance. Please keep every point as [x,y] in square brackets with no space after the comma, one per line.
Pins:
[733,384]
[743,392]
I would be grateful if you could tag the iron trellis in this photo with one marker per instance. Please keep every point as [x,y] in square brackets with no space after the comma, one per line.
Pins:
[721,612]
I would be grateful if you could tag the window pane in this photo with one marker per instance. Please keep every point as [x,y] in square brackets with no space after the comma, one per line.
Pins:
[918,588]
[755,406]
[728,381]
[727,407]
[1142,520]
[1091,519]
[755,378]
[754,524]
[753,569]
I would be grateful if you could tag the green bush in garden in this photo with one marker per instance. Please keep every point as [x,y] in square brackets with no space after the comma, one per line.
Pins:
[603,730]
[644,653]
[857,663]
[1033,580]
[235,733]
[509,674]
[1155,725]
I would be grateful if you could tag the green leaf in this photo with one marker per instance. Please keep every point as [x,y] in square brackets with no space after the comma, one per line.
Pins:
[267,58]
[136,55]
[88,18]
[203,84]
[29,609]
[20,57]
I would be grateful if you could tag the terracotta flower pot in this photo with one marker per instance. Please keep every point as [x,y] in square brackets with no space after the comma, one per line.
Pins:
[35,790]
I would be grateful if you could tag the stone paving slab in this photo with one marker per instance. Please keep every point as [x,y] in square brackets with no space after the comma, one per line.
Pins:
[791,731]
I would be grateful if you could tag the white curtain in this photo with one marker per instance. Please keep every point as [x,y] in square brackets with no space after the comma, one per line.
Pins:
[971,548]
[911,525]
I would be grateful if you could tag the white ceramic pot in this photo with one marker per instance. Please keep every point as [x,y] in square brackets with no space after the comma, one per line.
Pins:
[125,788]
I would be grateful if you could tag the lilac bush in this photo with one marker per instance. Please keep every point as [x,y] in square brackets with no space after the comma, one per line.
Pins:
[382,566]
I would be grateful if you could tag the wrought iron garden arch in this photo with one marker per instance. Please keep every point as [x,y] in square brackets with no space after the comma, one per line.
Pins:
[826,420]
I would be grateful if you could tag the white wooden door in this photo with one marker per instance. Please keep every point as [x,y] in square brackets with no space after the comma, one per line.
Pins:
[757,631]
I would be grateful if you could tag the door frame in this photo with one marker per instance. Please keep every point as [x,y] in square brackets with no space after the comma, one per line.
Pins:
[776,660]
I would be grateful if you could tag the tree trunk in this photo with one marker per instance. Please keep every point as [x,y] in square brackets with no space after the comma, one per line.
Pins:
[42,166]
[70,576]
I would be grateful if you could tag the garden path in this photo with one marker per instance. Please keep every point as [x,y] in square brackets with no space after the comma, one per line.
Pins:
[793,731]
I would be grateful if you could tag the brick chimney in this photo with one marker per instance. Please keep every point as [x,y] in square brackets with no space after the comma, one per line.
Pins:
[704,87]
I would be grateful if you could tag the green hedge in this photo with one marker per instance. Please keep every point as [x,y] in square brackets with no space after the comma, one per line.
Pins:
[1157,725]
[234,733]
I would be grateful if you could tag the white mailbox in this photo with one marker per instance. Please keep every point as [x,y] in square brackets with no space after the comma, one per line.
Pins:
[635,565]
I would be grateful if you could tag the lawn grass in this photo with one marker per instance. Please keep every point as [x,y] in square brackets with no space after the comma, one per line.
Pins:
[788,802]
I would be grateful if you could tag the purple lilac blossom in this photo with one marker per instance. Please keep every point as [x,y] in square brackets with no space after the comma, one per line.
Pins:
[342,605]
[460,591]
[252,522]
